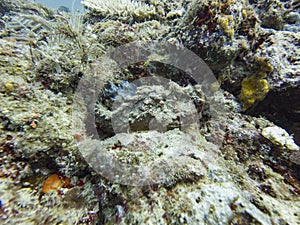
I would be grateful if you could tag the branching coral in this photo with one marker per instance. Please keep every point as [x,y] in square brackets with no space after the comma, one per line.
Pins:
[59,48]
[122,9]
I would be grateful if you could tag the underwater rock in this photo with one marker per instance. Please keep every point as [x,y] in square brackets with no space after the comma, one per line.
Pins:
[215,195]
[210,165]
[143,106]
[276,14]
[215,30]
[281,105]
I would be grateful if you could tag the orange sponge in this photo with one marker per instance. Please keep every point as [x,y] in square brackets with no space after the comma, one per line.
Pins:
[52,183]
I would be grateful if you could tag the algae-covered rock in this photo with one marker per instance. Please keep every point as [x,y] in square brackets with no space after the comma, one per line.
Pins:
[164,151]
[135,107]
[201,188]
[283,81]
[214,30]
[277,14]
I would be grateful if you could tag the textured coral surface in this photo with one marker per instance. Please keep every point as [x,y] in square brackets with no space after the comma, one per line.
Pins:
[146,143]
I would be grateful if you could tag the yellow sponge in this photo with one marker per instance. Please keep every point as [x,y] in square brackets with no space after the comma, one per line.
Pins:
[254,89]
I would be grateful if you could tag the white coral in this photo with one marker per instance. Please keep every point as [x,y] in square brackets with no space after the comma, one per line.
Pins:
[123,9]
[280,137]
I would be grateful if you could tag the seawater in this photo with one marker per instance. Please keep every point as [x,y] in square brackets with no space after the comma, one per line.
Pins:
[74,5]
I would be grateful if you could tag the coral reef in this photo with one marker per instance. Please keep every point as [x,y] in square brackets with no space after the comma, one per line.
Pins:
[283,80]
[182,158]
[131,11]
[124,10]
[175,111]
[216,29]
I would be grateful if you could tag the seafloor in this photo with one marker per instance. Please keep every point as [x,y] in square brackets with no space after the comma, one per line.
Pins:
[150,112]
